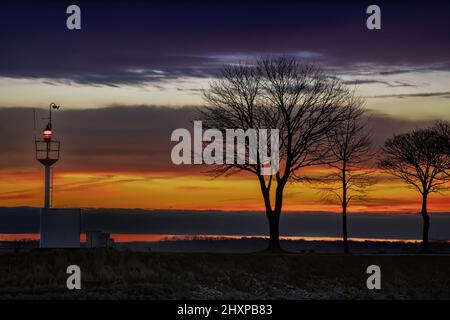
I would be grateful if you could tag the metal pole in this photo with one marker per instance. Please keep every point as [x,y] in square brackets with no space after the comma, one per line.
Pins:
[47,187]
[50,114]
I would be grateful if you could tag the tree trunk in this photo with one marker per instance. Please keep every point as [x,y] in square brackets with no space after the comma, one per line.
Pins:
[274,231]
[344,226]
[273,217]
[344,209]
[426,224]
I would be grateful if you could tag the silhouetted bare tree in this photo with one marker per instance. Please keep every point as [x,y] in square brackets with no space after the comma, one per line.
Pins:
[420,159]
[280,93]
[350,151]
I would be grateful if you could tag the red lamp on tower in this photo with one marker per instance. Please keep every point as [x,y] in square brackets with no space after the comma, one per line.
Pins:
[48,133]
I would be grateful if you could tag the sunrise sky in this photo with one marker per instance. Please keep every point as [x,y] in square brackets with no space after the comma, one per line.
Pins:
[134,73]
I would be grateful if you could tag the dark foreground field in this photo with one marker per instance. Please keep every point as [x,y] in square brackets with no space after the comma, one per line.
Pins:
[108,274]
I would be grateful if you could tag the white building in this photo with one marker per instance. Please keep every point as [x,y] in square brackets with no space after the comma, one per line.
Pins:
[60,228]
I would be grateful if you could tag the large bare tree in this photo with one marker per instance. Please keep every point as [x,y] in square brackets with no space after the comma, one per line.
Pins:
[281,93]
[351,150]
[421,159]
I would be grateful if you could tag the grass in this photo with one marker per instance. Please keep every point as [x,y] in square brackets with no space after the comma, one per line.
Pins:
[109,274]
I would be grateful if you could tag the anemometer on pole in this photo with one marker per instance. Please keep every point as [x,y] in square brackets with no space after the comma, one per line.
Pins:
[47,153]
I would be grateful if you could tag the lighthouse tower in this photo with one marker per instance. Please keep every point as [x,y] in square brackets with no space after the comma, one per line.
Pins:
[47,153]
[59,228]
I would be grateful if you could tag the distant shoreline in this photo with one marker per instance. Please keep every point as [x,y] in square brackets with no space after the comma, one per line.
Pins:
[247,244]
[179,237]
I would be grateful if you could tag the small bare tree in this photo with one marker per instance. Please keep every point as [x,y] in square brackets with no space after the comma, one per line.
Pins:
[351,149]
[443,128]
[277,93]
[420,159]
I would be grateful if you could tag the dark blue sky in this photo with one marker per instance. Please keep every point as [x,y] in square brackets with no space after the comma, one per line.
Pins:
[193,38]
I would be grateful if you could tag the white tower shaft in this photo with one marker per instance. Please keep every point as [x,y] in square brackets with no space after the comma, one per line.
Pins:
[48,173]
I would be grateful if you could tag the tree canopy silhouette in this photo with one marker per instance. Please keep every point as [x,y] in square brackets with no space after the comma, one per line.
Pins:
[299,99]
[421,159]
[350,146]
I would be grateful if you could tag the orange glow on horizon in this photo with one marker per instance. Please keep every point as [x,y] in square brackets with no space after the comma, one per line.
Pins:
[181,191]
